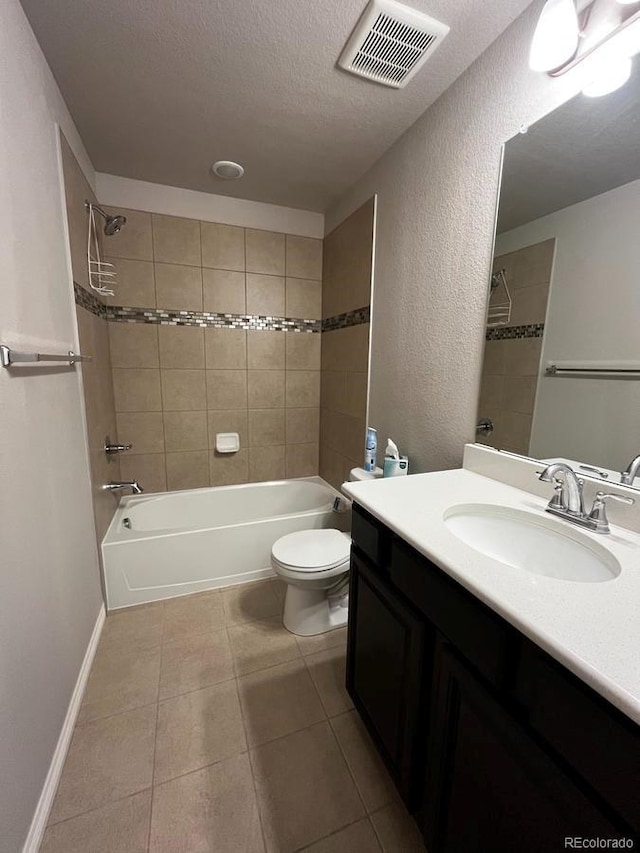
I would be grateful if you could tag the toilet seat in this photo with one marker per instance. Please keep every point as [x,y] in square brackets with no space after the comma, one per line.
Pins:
[312,551]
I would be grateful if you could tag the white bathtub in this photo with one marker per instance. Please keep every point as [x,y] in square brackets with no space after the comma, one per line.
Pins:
[162,545]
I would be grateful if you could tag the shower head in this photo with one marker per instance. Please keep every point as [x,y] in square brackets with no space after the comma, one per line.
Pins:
[112,224]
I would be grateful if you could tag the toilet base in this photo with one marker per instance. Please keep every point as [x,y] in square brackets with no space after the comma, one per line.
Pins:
[312,611]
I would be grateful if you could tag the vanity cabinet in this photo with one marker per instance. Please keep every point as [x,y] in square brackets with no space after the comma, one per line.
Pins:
[492,744]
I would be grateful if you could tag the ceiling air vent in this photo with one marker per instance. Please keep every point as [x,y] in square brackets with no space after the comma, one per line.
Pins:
[391,43]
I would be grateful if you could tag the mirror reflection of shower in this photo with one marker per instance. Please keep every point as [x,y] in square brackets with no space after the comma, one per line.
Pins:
[101,273]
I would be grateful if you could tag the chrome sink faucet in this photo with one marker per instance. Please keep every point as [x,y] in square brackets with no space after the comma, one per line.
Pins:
[568,502]
[631,472]
[136,488]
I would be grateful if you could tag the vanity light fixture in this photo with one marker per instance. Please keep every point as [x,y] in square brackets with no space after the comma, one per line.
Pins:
[605,59]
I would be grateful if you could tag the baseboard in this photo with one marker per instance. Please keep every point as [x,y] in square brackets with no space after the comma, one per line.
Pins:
[41,816]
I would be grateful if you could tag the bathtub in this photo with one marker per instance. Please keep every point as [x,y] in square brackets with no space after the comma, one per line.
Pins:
[168,544]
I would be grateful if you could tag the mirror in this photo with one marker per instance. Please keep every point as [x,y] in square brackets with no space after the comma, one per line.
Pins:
[561,371]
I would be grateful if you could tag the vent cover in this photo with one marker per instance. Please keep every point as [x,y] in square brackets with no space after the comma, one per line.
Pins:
[390,43]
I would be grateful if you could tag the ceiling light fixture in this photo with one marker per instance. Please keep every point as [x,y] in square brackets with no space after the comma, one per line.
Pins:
[227,170]
[556,45]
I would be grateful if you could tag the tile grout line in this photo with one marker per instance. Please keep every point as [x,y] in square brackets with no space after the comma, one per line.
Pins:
[155,738]
[332,834]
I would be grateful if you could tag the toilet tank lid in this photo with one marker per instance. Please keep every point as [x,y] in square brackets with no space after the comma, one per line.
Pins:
[313,549]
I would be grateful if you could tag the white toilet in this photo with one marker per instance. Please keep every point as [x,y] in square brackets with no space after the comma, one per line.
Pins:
[315,566]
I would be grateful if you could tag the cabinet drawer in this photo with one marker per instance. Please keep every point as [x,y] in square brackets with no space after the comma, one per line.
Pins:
[600,743]
[371,537]
[478,634]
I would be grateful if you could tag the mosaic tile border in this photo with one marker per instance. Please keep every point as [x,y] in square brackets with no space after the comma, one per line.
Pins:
[89,301]
[504,333]
[209,319]
[349,318]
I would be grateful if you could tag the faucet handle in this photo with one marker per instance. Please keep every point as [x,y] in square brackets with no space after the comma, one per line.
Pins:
[598,514]
[557,501]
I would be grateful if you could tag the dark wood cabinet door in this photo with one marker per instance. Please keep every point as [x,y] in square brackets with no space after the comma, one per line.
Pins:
[490,786]
[386,673]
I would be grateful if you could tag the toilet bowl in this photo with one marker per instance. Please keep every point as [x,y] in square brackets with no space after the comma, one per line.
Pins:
[315,566]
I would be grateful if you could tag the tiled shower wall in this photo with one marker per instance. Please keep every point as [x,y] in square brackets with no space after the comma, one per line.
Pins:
[346,299]
[209,350]
[512,352]
[94,341]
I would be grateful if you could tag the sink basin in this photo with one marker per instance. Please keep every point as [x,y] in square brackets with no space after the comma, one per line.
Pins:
[523,540]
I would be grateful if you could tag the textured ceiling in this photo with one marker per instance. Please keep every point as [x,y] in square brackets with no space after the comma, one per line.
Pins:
[159,89]
[586,147]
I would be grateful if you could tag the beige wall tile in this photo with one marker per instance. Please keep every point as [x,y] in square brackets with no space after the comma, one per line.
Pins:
[266,463]
[346,279]
[222,246]
[304,257]
[357,395]
[136,390]
[265,251]
[303,299]
[334,467]
[224,291]
[266,427]
[301,460]
[303,388]
[226,349]
[265,295]
[303,351]
[226,469]
[519,393]
[226,389]
[333,390]
[142,429]
[181,346]
[265,350]
[532,265]
[135,284]
[178,287]
[266,389]
[188,470]
[149,469]
[185,431]
[77,191]
[302,425]
[133,344]
[491,394]
[522,356]
[517,432]
[529,305]
[494,355]
[183,390]
[229,420]
[176,240]
[134,240]
[346,349]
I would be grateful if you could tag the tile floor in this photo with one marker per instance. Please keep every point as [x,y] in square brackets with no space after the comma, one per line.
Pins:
[206,726]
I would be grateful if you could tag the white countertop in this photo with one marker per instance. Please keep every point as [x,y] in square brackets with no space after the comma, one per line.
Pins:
[591,628]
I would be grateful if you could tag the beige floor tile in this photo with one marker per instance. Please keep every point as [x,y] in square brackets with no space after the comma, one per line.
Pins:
[197,729]
[108,759]
[249,602]
[257,645]
[134,627]
[320,642]
[278,701]
[370,774]
[120,680]
[213,810]
[305,791]
[192,614]
[195,662]
[327,670]
[120,827]
[279,588]
[357,838]
[397,831]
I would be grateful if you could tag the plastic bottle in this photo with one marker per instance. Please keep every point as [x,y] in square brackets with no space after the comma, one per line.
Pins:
[371,450]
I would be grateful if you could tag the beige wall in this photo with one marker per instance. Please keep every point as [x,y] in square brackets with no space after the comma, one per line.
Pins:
[93,335]
[48,562]
[346,287]
[177,386]
[511,364]
[437,191]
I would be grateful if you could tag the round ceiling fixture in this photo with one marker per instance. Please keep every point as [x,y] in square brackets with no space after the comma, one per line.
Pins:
[227,170]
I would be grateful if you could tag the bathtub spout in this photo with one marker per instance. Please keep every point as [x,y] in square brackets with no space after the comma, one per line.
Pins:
[136,488]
